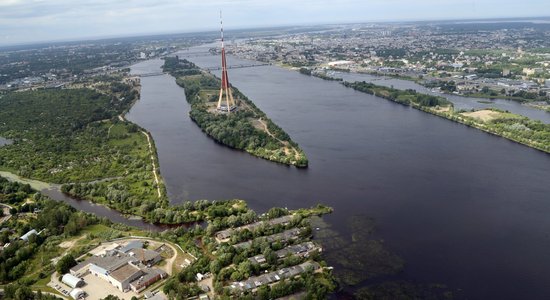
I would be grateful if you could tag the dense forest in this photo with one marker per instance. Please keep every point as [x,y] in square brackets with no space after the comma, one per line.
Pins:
[60,135]
[236,130]
[76,137]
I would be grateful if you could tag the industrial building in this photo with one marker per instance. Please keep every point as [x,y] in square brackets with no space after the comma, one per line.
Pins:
[125,267]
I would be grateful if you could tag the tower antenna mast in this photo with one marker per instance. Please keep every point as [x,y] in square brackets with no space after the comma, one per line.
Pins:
[225,90]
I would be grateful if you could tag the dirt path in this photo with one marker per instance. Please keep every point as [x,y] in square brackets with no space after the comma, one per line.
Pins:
[153,163]
[286,144]
[109,131]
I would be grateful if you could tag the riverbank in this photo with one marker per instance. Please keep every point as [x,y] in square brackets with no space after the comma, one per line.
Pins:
[35,184]
[479,95]
[246,128]
[514,127]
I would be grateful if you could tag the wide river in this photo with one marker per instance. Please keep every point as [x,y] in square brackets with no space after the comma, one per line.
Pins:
[462,207]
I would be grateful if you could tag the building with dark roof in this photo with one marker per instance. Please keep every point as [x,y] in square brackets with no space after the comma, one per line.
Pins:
[253,283]
[149,276]
[131,246]
[122,276]
[145,256]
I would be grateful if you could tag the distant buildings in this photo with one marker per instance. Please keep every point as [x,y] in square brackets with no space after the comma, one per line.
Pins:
[532,71]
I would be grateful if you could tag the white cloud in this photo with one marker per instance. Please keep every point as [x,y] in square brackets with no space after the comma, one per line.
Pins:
[32,20]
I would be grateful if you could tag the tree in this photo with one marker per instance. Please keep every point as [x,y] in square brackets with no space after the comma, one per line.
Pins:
[215,267]
[65,264]
[277,212]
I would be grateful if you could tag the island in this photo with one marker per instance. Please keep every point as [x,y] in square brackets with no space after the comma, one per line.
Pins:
[247,128]
[520,129]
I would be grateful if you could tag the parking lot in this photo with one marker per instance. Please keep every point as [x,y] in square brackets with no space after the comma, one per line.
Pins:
[97,288]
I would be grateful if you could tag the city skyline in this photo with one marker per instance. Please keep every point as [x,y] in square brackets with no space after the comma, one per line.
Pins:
[30,21]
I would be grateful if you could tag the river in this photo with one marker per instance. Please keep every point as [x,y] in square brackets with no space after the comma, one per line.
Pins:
[54,192]
[462,207]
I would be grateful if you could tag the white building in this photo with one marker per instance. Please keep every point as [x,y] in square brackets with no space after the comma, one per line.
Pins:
[26,236]
[340,63]
[72,281]
[77,294]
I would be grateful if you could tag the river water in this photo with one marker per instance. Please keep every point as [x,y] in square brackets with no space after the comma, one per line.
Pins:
[54,192]
[462,207]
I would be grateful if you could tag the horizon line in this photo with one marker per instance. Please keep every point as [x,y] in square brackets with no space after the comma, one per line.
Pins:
[209,30]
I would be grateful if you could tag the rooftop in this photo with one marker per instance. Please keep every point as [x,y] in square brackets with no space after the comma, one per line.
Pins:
[109,263]
[144,255]
[125,272]
[131,245]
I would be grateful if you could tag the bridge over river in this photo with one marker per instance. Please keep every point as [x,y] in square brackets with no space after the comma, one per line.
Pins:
[239,66]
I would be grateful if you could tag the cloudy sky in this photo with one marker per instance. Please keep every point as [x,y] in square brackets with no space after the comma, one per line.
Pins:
[23,21]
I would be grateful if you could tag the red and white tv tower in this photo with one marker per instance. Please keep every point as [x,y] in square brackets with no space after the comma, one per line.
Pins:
[226,103]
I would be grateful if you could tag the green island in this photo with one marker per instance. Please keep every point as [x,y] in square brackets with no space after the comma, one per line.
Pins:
[520,129]
[238,254]
[247,129]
